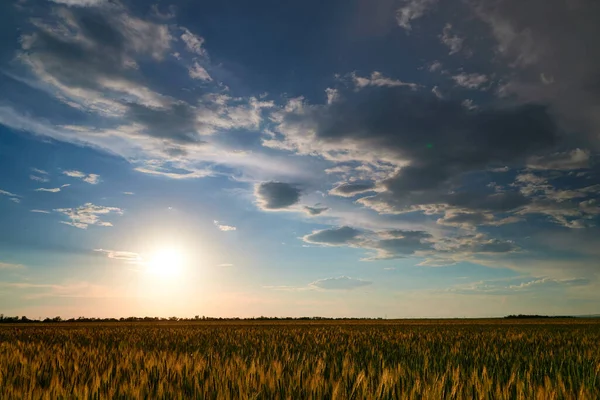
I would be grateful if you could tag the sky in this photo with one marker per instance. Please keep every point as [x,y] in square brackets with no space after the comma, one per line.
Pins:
[358,158]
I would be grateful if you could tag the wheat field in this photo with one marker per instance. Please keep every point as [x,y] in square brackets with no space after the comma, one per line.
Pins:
[302,360]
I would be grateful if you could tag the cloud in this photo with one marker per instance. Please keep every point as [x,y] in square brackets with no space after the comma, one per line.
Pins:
[353,188]
[92,179]
[518,285]
[377,79]
[196,71]
[128,256]
[454,43]
[315,210]
[52,190]
[553,56]
[95,66]
[412,10]
[470,220]
[225,265]
[91,65]
[399,243]
[333,237]
[470,81]
[193,43]
[40,211]
[38,178]
[11,196]
[340,283]
[436,91]
[425,145]
[129,193]
[389,245]
[435,66]
[224,228]
[276,195]
[4,265]
[81,3]
[475,243]
[39,171]
[570,160]
[88,214]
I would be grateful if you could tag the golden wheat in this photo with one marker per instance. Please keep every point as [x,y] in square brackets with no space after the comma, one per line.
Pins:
[301,361]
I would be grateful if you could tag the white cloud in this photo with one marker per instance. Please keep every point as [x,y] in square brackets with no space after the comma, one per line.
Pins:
[128,256]
[81,3]
[435,66]
[339,283]
[88,214]
[52,190]
[193,43]
[12,197]
[196,71]
[377,79]
[470,81]
[39,171]
[454,42]
[436,91]
[92,179]
[40,211]
[224,228]
[412,10]
[129,193]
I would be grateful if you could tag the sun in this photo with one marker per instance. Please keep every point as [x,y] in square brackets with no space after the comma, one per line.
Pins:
[166,262]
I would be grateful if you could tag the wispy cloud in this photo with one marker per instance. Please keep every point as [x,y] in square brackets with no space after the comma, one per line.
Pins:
[15,198]
[340,283]
[470,81]
[92,179]
[335,283]
[126,256]
[39,171]
[40,211]
[223,227]
[38,178]
[412,10]
[52,190]
[88,214]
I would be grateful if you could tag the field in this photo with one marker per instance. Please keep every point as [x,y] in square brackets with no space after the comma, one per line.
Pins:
[483,359]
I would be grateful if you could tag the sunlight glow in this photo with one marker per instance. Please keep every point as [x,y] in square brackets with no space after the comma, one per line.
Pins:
[166,262]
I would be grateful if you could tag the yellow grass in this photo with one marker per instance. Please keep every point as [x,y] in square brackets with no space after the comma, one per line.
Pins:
[292,360]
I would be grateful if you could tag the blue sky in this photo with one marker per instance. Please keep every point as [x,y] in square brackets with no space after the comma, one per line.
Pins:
[399,158]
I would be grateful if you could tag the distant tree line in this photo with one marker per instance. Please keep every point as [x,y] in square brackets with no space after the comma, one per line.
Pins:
[526,316]
[24,319]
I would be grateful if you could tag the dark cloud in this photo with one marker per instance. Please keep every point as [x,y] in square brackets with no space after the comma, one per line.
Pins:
[315,210]
[86,52]
[276,195]
[351,189]
[340,283]
[397,244]
[552,48]
[384,244]
[177,122]
[436,141]
[333,237]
